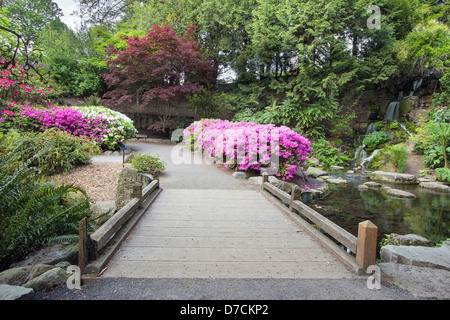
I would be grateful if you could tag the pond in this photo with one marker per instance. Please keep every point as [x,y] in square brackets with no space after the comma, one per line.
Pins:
[428,215]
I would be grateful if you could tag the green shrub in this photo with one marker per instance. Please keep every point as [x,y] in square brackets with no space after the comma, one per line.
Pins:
[399,157]
[60,151]
[328,155]
[147,163]
[33,210]
[442,174]
[375,139]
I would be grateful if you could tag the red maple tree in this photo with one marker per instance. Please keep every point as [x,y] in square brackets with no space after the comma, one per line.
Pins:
[160,65]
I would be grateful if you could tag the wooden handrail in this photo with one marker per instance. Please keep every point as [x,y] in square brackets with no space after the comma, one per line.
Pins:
[364,246]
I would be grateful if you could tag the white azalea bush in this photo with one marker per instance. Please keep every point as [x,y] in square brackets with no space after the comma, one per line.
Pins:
[116,127]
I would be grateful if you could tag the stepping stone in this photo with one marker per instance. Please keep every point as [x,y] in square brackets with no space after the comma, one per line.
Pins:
[399,193]
[436,186]
[392,177]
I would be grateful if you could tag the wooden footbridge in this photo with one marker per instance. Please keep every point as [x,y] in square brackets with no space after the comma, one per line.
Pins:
[242,233]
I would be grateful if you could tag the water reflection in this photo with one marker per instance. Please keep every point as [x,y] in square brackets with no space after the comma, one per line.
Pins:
[427,215]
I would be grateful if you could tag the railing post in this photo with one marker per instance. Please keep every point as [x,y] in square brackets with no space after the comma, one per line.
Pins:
[137,192]
[83,255]
[295,191]
[366,249]
[265,178]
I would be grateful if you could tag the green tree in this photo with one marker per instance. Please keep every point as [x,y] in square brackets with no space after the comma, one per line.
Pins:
[73,61]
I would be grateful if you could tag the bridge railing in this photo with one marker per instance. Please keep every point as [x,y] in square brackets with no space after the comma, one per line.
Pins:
[95,250]
[364,246]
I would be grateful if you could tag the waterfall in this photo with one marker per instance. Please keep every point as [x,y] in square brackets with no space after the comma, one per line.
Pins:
[392,111]
[404,127]
[367,159]
[371,128]
[360,154]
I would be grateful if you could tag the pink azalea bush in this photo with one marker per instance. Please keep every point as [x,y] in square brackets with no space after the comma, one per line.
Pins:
[250,146]
[101,129]
[17,86]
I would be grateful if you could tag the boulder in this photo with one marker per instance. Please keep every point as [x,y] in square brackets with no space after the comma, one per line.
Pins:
[333,180]
[372,184]
[8,292]
[15,276]
[101,211]
[48,279]
[391,177]
[430,257]
[52,254]
[407,240]
[396,193]
[362,187]
[239,175]
[127,177]
[255,180]
[337,168]
[315,172]
[436,186]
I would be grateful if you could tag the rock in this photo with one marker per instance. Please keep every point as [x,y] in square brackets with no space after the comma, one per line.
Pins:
[430,257]
[372,184]
[101,211]
[314,162]
[285,186]
[391,177]
[407,240]
[239,175]
[408,104]
[8,292]
[362,187]
[337,168]
[436,186]
[52,254]
[127,177]
[255,180]
[316,193]
[421,282]
[315,172]
[334,180]
[15,276]
[399,193]
[49,278]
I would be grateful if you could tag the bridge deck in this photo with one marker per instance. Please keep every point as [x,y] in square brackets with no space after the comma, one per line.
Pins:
[198,233]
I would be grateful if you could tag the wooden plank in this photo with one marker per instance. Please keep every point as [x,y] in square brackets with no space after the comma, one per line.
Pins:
[104,233]
[150,188]
[337,232]
[277,192]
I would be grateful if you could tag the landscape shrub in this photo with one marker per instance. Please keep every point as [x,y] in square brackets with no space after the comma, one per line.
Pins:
[374,139]
[118,126]
[399,157]
[105,127]
[442,174]
[148,163]
[33,210]
[59,151]
[250,146]
[329,155]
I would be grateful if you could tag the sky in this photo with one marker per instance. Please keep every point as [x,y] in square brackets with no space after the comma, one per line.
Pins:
[68,6]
